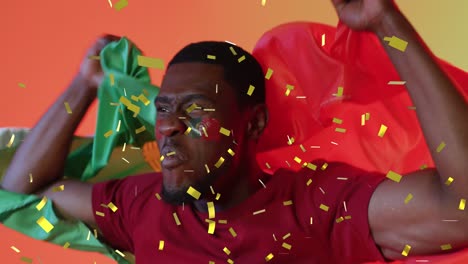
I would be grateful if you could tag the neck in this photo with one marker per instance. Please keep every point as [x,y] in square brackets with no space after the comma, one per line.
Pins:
[235,189]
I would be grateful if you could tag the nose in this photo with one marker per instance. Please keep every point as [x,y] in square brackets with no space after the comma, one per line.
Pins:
[171,126]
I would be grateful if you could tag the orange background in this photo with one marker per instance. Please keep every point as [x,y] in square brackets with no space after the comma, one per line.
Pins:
[44,41]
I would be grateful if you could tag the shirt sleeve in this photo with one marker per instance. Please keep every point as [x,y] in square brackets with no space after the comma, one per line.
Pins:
[340,195]
[117,226]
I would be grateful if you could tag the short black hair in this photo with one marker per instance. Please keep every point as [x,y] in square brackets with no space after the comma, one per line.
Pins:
[241,69]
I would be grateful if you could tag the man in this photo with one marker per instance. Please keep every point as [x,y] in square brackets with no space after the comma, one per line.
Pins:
[213,208]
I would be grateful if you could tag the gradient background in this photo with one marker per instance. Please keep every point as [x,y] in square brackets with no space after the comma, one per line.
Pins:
[44,41]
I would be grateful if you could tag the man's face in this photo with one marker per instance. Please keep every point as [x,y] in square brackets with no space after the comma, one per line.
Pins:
[194,103]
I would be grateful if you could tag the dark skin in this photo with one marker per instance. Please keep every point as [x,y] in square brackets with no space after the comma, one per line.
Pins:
[441,110]
[185,84]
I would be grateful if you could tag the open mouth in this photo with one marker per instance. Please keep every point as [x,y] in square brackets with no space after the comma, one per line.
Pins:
[172,158]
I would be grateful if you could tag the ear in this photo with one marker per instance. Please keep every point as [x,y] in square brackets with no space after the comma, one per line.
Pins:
[258,121]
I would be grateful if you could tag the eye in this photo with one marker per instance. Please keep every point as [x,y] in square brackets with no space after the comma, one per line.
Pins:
[162,109]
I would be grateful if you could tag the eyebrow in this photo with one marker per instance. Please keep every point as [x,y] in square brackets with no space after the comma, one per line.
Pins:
[185,99]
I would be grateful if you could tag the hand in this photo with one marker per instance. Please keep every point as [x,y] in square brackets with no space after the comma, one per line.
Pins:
[90,69]
[363,14]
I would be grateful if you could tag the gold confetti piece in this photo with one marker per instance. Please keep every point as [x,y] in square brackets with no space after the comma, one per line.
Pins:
[171,153]
[449,181]
[241,59]
[259,212]
[290,140]
[233,51]
[15,249]
[207,168]
[149,62]
[340,219]
[41,204]
[446,247]
[269,74]
[394,176]
[118,126]
[100,213]
[139,130]
[311,220]
[396,43]
[187,131]
[267,165]
[124,159]
[289,88]
[112,80]
[211,227]
[269,257]
[44,224]
[337,121]
[440,147]
[193,192]
[323,40]
[423,167]
[211,262]
[204,131]
[396,83]
[134,98]
[227,251]
[286,236]
[211,57]
[342,178]
[340,130]
[143,99]
[367,116]
[218,195]
[161,158]
[324,166]
[231,152]
[22,85]
[302,148]
[406,250]
[324,207]
[191,108]
[94,57]
[286,246]
[176,219]
[58,188]
[161,245]
[95,233]
[382,130]
[209,110]
[263,2]
[408,198]
[158,196]
[363,119]
[67,107]
[66,245]
[120,253]
[233,233]
[211,210]
[120,5]
[26,259]
[89,235]
[347,217]
[112,207]
[297,159]
[339,93]
[311,166]
[108,133]
[461,206]
[12,139]
[224,131]
[286,203]
[412,107]
[251,90]
[219,163]
[309,182]
[222,221]
[230,261]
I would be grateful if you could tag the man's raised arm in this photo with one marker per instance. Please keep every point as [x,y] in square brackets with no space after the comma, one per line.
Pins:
[45,149]
[418,227]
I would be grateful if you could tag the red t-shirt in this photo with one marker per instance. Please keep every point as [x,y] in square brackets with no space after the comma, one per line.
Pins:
[327,221]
